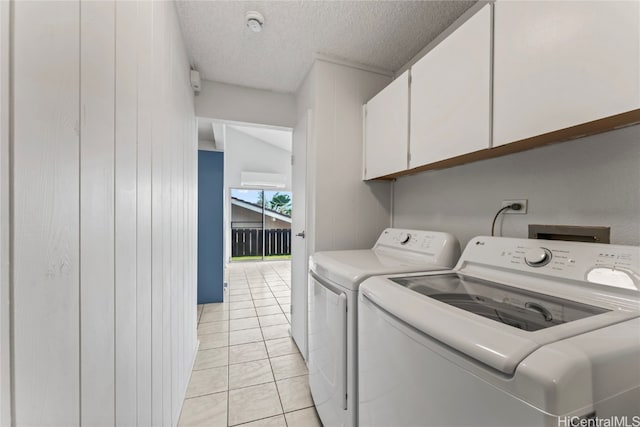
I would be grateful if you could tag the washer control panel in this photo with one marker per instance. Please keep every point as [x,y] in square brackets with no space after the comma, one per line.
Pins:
[613,265]
[538,257]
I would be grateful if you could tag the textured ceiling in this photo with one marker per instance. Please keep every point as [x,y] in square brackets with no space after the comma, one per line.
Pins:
[383,34]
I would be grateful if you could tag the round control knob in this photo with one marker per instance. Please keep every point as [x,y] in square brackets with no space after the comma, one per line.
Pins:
[404,238]
[537,257]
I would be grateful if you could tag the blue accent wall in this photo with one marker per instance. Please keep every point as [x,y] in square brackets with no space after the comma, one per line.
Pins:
[210,226]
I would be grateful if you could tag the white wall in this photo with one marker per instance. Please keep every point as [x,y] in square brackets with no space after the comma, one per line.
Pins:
[243,152]
[342,211]
[347,213]
[246,153]
[5,329]
[207,145]
[104,214]
[305,95]
[242,104]
[589,181]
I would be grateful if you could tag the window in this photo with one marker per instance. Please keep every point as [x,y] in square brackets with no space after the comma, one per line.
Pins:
[260,224]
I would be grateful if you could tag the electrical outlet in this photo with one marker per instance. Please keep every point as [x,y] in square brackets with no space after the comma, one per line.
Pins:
[522,211]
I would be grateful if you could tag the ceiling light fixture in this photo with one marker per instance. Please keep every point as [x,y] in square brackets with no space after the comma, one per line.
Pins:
[255,20]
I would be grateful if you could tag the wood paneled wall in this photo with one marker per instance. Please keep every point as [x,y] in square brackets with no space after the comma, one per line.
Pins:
[5,326]
[102,214]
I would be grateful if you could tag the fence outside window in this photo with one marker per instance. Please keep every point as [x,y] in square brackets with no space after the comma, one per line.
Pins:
[247,242]
[260,224]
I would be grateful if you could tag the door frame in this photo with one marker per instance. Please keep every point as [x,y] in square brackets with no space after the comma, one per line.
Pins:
[300,291]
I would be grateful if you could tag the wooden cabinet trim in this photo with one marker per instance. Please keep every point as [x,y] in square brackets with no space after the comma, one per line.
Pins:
[606,124]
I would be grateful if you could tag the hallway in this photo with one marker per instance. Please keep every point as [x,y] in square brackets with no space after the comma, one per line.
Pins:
[248,370]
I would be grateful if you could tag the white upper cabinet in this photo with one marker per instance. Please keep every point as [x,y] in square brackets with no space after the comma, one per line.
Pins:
[563,63]
[387,130]
[451,94]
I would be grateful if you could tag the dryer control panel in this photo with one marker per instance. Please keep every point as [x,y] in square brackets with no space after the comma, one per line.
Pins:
[434,246]
[417,240]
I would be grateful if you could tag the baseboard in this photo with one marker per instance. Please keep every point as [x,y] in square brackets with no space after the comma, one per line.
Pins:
[184,392]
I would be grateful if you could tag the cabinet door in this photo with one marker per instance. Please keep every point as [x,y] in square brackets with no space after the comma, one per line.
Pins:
[387,129]
[559,64]
[450,94]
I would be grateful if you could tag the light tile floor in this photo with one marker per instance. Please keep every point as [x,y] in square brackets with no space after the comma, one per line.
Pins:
[248,370]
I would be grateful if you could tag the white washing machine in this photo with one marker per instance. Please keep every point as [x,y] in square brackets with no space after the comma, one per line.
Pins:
[334,279]
[521,333]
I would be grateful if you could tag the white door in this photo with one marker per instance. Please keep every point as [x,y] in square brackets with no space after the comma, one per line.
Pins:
[328,351]
[561,64]
[386,141]
[299,252]
[451,94]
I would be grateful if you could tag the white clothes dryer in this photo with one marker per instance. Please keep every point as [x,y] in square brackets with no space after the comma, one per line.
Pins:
[334,279]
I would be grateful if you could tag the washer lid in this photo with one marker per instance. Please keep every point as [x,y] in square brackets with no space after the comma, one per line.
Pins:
[495,344]
[350,268]
[516,307]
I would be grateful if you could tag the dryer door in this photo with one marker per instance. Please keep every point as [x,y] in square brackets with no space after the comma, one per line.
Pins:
[328,349]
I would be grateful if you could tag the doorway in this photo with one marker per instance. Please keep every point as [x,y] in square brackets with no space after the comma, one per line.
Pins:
[260,224]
